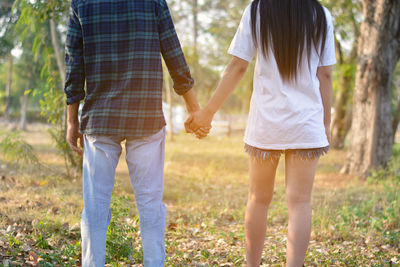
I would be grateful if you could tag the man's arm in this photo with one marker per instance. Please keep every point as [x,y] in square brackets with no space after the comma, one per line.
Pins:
[193,106]
[175,60]
[75,78]
[73,129]
[172,52]
[75,72]
[191,101]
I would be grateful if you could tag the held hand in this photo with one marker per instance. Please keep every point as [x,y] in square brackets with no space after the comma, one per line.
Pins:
[201,123]
[200,133]
[187,123]
[72,138]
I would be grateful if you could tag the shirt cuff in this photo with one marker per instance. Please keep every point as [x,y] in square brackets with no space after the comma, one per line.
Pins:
[240,54]
[76,98]
[183,89]
[327,62]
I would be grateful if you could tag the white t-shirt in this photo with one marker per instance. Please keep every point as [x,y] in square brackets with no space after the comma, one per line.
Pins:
[284,115]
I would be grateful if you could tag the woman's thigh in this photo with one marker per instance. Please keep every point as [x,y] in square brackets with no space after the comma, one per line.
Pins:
[262,178]
[299,177]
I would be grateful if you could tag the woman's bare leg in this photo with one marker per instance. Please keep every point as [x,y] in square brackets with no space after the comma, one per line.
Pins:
[261,189]
[299,182]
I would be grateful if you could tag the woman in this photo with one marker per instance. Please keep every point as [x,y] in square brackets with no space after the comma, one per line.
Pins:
[289,111]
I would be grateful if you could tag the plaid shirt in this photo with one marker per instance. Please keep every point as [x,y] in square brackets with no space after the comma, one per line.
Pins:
[115,46]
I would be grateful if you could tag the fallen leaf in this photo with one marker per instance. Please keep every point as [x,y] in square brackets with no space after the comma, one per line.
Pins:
[172,226]
[33,256]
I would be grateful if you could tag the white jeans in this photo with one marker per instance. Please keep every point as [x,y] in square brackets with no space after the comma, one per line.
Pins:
[145,159]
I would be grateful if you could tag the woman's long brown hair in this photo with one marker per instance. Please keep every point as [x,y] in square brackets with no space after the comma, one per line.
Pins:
[287,27]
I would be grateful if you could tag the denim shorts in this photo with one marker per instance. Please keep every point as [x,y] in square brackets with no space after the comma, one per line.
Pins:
[268,154]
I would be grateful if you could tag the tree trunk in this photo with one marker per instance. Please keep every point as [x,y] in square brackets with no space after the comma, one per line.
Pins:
[195,67]
[340,126]
[195,26]
[57,50]
[60,63]
[8,86]
[396,120]
[169,102]
[378,52]
[24,105]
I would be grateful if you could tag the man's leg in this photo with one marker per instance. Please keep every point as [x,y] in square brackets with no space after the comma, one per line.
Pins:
[101,155]
[145,158]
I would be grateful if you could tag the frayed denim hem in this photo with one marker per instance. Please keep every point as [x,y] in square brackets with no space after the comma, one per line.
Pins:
[311,153]
[262,154]
[269,154]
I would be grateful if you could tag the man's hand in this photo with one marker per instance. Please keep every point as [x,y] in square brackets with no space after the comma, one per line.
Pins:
[199,123]
[73,128]
[192,107]
[187,123]
[72,138]
[200,132]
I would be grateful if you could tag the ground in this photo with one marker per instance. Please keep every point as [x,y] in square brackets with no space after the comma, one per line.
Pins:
[356,222]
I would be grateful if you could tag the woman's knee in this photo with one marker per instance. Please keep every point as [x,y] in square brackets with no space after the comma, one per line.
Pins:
[297,198]
[260,197]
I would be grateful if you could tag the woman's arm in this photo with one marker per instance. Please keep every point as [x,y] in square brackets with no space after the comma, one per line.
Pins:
[324,75]
[230,79]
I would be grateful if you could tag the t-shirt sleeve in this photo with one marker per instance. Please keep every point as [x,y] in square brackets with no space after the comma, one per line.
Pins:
[242,45]
[328,57]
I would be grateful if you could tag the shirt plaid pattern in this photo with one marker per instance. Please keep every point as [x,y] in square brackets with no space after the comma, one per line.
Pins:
[115,46]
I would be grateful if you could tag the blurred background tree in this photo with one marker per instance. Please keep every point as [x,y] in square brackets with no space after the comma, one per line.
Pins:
[347,19]
[8,17]
[371,140]
[41,32]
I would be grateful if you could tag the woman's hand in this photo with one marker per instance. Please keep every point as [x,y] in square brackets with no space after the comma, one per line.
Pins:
[199,123]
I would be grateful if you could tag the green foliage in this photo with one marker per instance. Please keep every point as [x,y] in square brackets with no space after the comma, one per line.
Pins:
[34,25]
[69,255]
[25,80]
[208,60]
[355,221]
[396,90]
[70,158]
[374,216]
[16,150]
[8,19]
[396,152]
[391,172]
[41,242]
[347,15]
[13,242]
[47,229]
[222,29]
[120,241]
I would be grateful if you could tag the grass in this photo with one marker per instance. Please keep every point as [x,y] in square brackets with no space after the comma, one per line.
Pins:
[355,222]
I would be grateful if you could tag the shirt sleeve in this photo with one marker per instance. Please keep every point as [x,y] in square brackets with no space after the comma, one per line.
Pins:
[328,57]
[172,52]
[75,73]
[242,45]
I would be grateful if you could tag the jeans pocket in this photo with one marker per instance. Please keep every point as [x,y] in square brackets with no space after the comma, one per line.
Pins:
[154,137]
[90,138]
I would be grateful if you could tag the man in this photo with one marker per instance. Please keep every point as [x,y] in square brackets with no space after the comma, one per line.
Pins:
[116,47]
